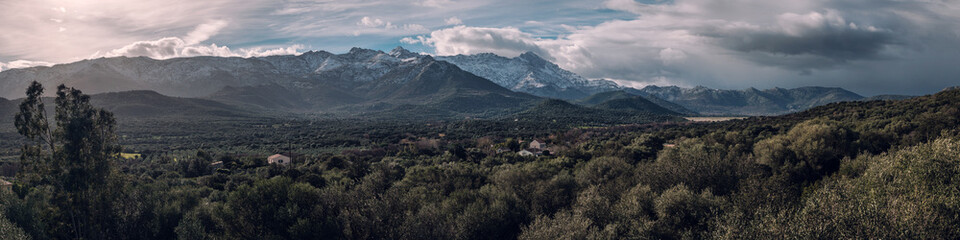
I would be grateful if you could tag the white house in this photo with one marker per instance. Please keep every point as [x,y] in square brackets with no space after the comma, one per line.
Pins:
[216,165]
[536,144]
[525,153]
[278,159]
[6,187]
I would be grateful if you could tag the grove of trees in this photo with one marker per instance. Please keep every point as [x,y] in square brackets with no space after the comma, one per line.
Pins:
[881,169]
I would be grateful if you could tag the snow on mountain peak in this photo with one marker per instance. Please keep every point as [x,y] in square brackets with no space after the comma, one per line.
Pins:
[402,53]
[530,73]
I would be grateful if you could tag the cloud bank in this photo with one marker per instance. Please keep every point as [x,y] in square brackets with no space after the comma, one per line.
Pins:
[22,64]
[869,46]
[722,44]
[190,46]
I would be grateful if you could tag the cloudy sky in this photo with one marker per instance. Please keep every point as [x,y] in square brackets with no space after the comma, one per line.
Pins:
[868,46]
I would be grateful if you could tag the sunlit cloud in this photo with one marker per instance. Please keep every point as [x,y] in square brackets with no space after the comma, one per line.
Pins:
[190,46]
[453,21]
[22,64]
[739,44]
[869,46]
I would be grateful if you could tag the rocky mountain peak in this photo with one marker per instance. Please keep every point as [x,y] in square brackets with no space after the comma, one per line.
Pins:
[401,52]
[530,73]
[534,59]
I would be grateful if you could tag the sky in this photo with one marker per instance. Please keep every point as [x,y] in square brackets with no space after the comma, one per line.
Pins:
[868,46]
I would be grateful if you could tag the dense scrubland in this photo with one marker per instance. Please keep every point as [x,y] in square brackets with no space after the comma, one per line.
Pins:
[875,169]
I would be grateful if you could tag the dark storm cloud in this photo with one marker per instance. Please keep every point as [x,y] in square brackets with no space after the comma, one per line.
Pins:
[807,41]
[839,45]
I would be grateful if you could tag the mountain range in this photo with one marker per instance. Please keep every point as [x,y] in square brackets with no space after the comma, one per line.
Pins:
[529,73]
[749,101]
[314,81]
[364,81]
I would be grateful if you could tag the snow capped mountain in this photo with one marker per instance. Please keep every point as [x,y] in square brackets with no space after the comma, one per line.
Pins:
[201,76]
[377,79]
[530,73]
[359,79]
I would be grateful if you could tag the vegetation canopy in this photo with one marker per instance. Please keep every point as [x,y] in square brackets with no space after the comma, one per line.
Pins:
[886,169]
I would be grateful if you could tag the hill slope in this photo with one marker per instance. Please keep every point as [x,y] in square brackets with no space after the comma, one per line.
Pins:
[636,104]
[603,97]
[267,97]
[599,98]
[888,97]
[7,108]
[150,104]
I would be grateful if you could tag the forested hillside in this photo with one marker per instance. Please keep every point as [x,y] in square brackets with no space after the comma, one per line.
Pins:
[875,169]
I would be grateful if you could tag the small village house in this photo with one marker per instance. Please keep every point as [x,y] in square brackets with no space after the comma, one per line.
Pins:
[536,144]
[5,187]
[525,153]
[216,165]
[278,159]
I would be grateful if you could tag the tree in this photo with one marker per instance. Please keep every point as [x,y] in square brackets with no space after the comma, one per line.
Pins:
[74,157]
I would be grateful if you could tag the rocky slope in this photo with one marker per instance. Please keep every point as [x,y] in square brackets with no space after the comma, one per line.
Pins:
[529,73]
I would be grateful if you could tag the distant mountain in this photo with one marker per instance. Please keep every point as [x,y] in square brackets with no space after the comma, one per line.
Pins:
[603,97]
[749,101]
[271,96]
[629,93]
[143,104]
[637,104]
[361,80]
[8,108]
[364,81]
[150,104]
[529,73]
[182,77]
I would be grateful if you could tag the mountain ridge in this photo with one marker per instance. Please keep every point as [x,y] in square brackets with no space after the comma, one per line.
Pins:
[750,101]
[627,93]
[531,74]
[371,79]
[323,80]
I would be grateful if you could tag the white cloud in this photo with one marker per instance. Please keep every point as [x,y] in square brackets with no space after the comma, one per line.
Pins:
[670,56]
[435,3]
[618,49]
[414,27]
[174,47]
[91,26]
[163,48]
[261,52]
[410,40]
[374,22]
[717,43]
[657,81]
[204,31]
[472,40]
[736,43]
[453,21]
[189,46]
[22,64]
[376,25]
